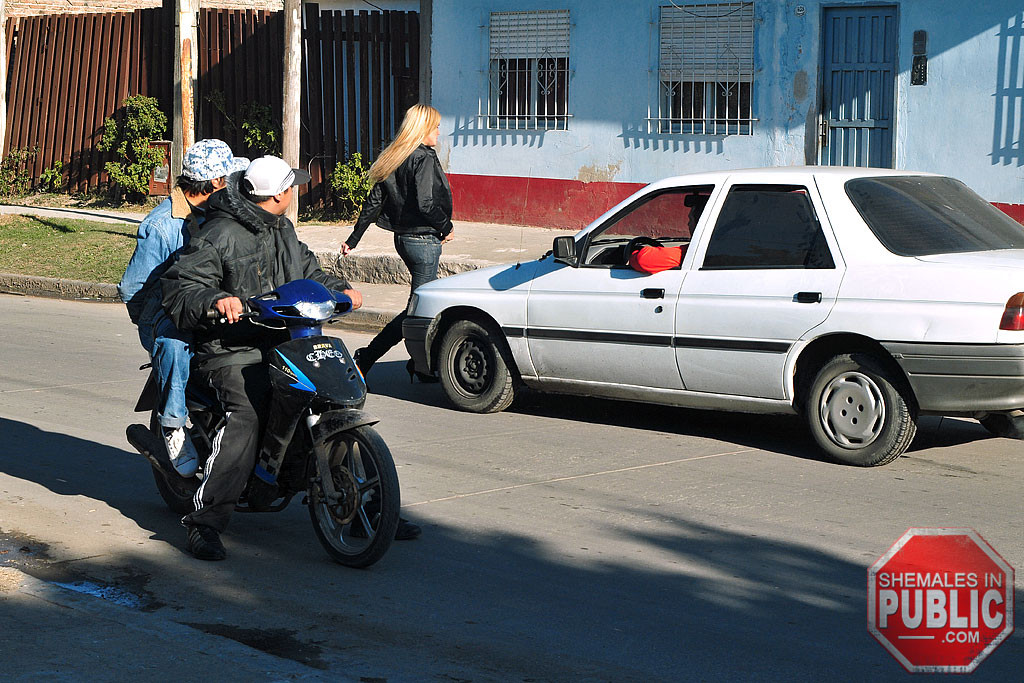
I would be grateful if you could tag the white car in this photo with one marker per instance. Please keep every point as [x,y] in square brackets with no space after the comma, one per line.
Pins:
[859,298]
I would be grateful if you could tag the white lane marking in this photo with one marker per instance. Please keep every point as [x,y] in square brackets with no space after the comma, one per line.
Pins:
[576,476]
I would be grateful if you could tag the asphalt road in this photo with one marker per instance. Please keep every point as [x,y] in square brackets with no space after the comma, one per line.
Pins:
[566,539]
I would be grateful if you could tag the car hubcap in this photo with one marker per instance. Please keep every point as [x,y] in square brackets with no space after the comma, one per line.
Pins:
[472,366]
[852,410]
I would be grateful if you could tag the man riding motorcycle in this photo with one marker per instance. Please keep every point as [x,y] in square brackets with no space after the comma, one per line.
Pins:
[247,247]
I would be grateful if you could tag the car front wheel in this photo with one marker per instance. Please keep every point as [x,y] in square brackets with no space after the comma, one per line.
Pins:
[857,413]
[472,368]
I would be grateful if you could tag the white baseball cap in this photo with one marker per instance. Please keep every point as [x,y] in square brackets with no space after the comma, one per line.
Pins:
[269,176]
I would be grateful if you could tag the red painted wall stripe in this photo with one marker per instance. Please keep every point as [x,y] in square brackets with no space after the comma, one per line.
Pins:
[1014,211]
[554,203]
[547,202]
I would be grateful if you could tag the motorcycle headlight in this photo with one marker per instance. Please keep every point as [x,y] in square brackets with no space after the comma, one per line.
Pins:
[317,310]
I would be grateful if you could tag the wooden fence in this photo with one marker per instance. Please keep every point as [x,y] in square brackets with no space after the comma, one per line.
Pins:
[69,72]
[361,72]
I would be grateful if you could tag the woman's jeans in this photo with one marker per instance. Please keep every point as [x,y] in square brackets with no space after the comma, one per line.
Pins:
[421,254]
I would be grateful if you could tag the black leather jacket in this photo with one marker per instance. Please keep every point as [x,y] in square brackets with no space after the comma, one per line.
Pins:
[241,250]
[415,199]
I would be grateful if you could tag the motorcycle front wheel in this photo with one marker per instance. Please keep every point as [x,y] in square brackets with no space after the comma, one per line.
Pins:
[357,529]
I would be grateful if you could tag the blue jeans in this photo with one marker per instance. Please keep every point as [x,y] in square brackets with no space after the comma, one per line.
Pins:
[421,254]
[171,351]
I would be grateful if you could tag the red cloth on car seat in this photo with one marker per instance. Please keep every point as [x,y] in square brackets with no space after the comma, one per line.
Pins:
[656,259]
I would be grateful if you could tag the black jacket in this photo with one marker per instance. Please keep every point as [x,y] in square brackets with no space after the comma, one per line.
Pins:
[415,199]
[240,251]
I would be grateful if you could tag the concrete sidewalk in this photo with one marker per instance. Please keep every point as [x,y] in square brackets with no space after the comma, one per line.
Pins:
[373,267]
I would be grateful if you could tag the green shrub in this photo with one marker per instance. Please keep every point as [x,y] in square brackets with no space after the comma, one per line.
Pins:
[350,184]
[130,141]
[261,132]
[52,179]
[15,180]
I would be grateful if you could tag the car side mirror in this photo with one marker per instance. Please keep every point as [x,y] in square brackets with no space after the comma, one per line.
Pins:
[564,250]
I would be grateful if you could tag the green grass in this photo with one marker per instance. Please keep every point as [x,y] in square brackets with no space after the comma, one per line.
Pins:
[59,247]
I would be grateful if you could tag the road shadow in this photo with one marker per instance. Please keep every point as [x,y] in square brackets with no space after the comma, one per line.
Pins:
[70,466]
[691,600]
[650,596]
[782,434]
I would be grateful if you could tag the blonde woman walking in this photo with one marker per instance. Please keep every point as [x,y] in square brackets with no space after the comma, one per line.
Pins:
[411,198]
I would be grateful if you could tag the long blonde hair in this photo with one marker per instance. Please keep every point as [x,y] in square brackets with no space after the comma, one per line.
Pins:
[419,120]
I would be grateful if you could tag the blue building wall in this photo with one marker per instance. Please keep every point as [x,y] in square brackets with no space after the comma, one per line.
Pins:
[966,121]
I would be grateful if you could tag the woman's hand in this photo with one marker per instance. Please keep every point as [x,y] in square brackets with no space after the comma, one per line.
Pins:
[345,249]
[449,236]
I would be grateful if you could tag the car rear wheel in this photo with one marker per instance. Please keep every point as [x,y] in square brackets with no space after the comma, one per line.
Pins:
[857,413]
[1008,425]
[472,368]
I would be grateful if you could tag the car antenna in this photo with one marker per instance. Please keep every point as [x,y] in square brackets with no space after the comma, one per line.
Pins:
[522,220]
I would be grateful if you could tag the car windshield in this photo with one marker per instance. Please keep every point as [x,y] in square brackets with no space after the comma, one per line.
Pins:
[920,215]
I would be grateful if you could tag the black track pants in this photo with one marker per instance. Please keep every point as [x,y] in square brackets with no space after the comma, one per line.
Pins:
[244,393]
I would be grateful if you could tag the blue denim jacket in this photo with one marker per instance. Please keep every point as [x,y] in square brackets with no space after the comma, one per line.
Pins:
[162,234]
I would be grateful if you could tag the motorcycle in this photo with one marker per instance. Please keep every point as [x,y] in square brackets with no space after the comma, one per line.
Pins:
[334,456]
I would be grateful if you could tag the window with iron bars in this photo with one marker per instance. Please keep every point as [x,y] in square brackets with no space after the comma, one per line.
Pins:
[706,69]
[528,70]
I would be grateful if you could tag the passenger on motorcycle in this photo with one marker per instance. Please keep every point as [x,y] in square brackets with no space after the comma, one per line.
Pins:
[161,236]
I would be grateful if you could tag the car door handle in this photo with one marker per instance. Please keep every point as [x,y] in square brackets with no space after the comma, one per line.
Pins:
[652,293]
[807,297]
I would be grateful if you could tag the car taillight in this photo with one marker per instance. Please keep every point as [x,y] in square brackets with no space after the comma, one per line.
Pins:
[1013,315]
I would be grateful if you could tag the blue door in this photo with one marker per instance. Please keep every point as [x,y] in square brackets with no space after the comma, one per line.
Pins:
[859,77]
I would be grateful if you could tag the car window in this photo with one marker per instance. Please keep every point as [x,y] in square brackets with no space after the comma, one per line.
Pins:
[668,216]
[767,226]
[917,216]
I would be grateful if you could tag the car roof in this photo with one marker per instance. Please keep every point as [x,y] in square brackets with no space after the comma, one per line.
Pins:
[779,174]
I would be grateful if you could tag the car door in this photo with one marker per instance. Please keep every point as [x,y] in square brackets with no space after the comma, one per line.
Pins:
[602,321]
[767,272]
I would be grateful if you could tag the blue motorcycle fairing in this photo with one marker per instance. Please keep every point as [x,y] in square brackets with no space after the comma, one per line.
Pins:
[320,367]
[300,305]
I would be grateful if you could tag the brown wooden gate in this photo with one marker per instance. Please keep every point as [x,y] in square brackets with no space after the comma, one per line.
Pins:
[360,73]
[68,72]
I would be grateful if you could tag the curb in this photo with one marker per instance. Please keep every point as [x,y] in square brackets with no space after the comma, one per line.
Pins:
[386,269]
[368,319]
[35,285]
[365,319]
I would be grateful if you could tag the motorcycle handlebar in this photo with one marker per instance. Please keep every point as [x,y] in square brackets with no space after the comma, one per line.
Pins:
[214,316]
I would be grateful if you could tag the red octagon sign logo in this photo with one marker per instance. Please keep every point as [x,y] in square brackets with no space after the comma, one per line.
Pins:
[941,600]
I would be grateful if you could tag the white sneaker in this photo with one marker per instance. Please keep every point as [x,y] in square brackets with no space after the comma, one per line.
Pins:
[181,451]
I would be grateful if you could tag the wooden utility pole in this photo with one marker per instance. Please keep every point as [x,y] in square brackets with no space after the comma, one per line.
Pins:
[186,53]
[292,92]
[3,76]
[426,34]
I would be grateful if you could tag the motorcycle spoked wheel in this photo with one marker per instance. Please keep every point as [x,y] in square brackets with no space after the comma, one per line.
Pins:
[177,492]
[358,530]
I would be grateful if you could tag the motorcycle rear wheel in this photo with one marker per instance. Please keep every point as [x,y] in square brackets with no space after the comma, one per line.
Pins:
[177,492]
[358,530]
